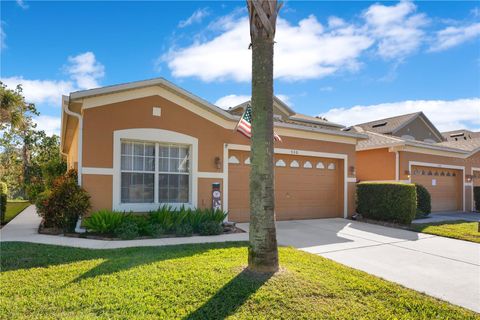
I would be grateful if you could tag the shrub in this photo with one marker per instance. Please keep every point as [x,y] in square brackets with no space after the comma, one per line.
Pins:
[184,230]
[153,230]
[3,188]
[104,221]
[424,201]
[394,202]
[127,230]
[476,197]
[61,206]
[3,206]
[209,228]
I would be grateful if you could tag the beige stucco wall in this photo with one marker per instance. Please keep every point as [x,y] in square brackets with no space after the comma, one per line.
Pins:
[376,164]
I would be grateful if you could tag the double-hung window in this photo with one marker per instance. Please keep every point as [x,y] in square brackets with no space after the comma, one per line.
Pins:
[154,172]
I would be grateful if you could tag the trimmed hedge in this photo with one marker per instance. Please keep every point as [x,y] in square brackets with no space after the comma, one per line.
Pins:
[393,202]
[424,201]
[476,197]
[3,201]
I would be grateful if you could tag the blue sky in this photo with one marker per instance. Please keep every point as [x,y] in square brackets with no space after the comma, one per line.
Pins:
[349,61]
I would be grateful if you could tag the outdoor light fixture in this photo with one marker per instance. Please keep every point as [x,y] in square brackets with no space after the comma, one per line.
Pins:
[469,177]
[217,162]
[407,173]
[352,170]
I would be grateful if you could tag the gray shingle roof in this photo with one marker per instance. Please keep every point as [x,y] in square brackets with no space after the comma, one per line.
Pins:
[388,125]
[467,145]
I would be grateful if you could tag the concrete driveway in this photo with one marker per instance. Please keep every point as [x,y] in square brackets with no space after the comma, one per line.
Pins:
[441,267]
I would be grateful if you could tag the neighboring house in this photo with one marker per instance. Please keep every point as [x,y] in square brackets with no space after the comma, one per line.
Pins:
[139,145]
[458,135]
[409,148]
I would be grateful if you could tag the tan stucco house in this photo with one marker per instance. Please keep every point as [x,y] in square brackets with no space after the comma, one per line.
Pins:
[142,144]
[409,148]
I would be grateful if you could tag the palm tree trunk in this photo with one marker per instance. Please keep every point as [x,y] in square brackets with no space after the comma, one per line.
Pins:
[263,252]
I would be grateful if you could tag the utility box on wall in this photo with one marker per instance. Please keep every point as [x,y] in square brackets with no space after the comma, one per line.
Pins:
[216,196]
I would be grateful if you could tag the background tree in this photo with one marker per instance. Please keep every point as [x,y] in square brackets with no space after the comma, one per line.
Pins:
[263,251]
[29,159]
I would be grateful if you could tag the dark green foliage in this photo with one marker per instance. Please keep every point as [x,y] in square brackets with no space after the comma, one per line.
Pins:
[104,221]
[476,197]
[393,202]
[127,230]
[424,201]
[209,228]
[184,230]
[3,207]
[61,206]
[153,230]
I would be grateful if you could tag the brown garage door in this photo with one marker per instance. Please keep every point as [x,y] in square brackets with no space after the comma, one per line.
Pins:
[444,186]
[305,187]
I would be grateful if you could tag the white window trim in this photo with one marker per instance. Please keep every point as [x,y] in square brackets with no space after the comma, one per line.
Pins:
[157,136]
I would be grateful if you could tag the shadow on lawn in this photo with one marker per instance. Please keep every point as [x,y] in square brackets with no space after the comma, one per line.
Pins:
[231,296]
[18,255]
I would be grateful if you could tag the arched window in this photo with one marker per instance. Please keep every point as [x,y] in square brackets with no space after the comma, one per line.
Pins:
[320,165]
[247,161]
[307,165]
[280,163]
[233,160]
[294,164]
[331,166]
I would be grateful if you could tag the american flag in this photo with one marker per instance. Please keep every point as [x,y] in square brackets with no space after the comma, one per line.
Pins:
[244,126]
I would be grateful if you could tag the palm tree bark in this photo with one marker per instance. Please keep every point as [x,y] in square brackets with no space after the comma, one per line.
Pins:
[263,251]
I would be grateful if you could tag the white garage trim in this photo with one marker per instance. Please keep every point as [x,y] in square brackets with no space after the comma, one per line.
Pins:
[439,165]
[295,152]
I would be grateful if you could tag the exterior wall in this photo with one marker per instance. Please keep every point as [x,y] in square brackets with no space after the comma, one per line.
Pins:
[100,189]
[418,129]
[98,140]
[472,165]
[72,154]
[375,164]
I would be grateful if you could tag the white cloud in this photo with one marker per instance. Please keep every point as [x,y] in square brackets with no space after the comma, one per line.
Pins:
[41,91]
[397,29]
[3,36]
[286,99]
[22,4]
[445,114]
[51,125]
[196,17]
[453,36]
[231,100]
[315,52]
[83,70]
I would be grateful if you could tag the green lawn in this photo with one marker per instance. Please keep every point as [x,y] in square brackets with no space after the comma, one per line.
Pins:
[14,208]
[205,281]
[460,229]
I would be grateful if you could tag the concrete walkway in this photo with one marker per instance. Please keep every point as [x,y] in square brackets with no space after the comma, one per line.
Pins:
[24,227]
[441,267]
[445,268]
[449,216]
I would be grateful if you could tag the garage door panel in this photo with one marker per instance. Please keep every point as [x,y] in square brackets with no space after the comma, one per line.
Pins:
[443,184]
[300,192]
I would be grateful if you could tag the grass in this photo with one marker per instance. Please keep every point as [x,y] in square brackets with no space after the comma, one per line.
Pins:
[459,229]
[14,207]
[206,281]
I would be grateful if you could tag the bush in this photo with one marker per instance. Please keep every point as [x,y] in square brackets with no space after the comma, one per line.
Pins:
[153,230]
[394,202]
[104,221]
[424,201]
[3,207]
[209,228]
[476,197]
[184,230]
[127,230]
[3,188]
[61,206]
